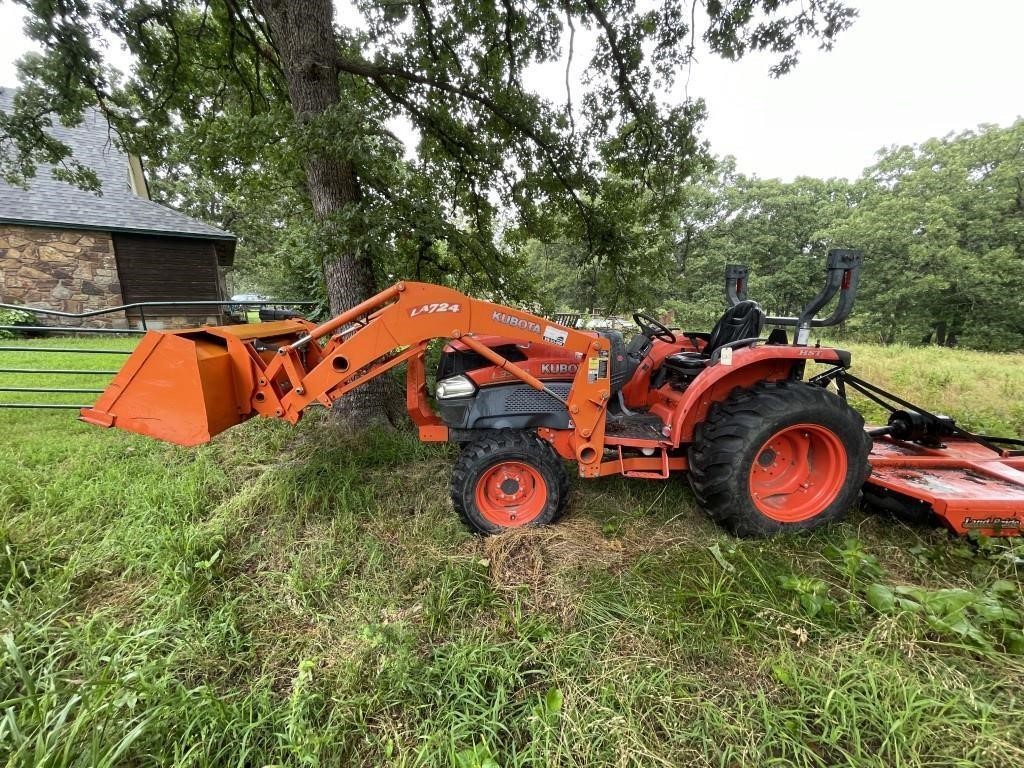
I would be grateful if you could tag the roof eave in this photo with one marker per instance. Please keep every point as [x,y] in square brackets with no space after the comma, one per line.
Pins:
[126,230]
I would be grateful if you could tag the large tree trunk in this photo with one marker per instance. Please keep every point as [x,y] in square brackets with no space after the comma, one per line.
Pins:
[303,34]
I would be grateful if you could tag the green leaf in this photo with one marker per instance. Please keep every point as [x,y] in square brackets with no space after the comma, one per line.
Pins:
[553,701]
[1002,586]
[1013,641]
[910,606]
[812,604]
[783,674]
[881,598]
[716,550]
[478,756]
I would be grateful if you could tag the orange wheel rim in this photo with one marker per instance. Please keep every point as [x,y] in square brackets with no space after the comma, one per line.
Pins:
[511,494]
[798,473]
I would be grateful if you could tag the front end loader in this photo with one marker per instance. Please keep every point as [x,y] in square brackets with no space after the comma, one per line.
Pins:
[766,448]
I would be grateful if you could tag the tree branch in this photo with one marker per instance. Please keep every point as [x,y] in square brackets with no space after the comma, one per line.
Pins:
[376,73]
[568,70]
[622,79]
[509,18]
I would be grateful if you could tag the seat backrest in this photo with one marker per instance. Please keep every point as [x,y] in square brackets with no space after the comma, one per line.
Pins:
[623,365]
[740,321]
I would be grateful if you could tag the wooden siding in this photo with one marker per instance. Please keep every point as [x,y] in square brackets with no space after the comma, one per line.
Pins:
[167,269]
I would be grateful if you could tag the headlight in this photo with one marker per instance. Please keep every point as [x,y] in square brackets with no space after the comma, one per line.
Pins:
[455,386]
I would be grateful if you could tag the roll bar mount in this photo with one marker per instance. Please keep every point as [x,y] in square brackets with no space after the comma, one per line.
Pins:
[842,274]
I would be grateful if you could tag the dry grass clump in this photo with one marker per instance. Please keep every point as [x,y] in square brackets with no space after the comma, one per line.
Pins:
[544,564]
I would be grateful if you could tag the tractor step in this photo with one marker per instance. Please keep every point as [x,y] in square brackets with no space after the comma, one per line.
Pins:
[966,484]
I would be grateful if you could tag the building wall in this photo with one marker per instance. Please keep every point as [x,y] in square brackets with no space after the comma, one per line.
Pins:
[77,271]
[68,270]
[163,268]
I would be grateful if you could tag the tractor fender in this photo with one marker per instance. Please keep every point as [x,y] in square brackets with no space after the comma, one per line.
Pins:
[749,366]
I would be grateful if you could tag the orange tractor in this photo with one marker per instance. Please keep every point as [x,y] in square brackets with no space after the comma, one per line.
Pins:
[766,449]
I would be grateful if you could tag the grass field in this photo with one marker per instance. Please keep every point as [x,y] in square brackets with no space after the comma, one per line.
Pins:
[294,597]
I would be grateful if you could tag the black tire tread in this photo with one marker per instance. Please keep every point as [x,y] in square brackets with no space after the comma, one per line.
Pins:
[718,481]
[512,443]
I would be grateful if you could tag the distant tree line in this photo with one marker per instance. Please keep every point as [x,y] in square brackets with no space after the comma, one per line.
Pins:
[941,225]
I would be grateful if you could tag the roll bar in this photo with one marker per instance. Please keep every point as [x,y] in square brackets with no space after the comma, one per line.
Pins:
[736,283]
[842,275]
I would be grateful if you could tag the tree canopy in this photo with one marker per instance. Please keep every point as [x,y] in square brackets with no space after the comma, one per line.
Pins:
[279,127]
[210,105]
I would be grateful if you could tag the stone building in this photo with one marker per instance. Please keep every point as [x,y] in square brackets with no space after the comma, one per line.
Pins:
[72,250]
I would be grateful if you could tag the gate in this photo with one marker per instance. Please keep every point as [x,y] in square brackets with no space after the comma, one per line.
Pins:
[18,347]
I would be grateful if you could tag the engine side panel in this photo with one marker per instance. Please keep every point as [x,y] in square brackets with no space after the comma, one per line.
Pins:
[507,406]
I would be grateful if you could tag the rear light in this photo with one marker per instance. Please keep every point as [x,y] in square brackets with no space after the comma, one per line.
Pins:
[455,386]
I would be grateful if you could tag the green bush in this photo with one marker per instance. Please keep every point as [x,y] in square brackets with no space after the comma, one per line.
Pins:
[14,317]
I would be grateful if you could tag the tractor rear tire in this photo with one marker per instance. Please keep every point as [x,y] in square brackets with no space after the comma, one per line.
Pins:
[778,457]
[509,479]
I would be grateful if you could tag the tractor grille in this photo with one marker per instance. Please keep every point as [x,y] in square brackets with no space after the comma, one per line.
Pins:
[529,400]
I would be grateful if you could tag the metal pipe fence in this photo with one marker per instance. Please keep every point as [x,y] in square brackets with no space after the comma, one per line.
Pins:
[141,306]
[19,347]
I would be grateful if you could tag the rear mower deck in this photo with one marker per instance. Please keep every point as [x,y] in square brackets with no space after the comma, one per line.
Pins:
[968,485]
[925,465]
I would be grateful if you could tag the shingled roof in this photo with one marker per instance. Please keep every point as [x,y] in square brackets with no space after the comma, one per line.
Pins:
[50,202]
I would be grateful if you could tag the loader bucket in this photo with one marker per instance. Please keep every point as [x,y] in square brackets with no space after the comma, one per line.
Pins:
[186,386]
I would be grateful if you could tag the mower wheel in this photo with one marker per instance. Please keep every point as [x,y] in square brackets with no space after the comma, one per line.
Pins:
[780,456]
[508,479]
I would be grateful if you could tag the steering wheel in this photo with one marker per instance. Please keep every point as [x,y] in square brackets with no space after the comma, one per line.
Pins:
[652,329]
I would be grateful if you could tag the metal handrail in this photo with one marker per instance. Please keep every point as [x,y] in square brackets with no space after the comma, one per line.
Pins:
[141,306]
[58,371]
[49,390]
[51,406]
[68,349]
[70,329]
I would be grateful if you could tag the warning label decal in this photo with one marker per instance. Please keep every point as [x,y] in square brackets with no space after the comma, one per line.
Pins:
[555,335]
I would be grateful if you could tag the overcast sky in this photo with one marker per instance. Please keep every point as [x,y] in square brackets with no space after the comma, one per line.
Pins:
[907,70]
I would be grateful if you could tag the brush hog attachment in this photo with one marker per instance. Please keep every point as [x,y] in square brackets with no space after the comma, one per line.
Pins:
[969,485]
[187,386]
[924,466]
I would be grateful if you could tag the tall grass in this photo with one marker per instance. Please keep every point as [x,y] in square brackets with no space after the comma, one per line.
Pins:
[297,597]
[983,390]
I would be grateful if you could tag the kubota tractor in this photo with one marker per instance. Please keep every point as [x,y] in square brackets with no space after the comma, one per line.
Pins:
[765,448]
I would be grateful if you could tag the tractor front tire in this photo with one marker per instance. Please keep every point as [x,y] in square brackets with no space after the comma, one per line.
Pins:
[509,479]
[780,456]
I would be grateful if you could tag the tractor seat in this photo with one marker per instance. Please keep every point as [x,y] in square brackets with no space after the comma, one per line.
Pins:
[623,365]
[740,321]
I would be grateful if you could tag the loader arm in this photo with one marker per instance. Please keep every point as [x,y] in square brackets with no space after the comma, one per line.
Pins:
[187,386]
